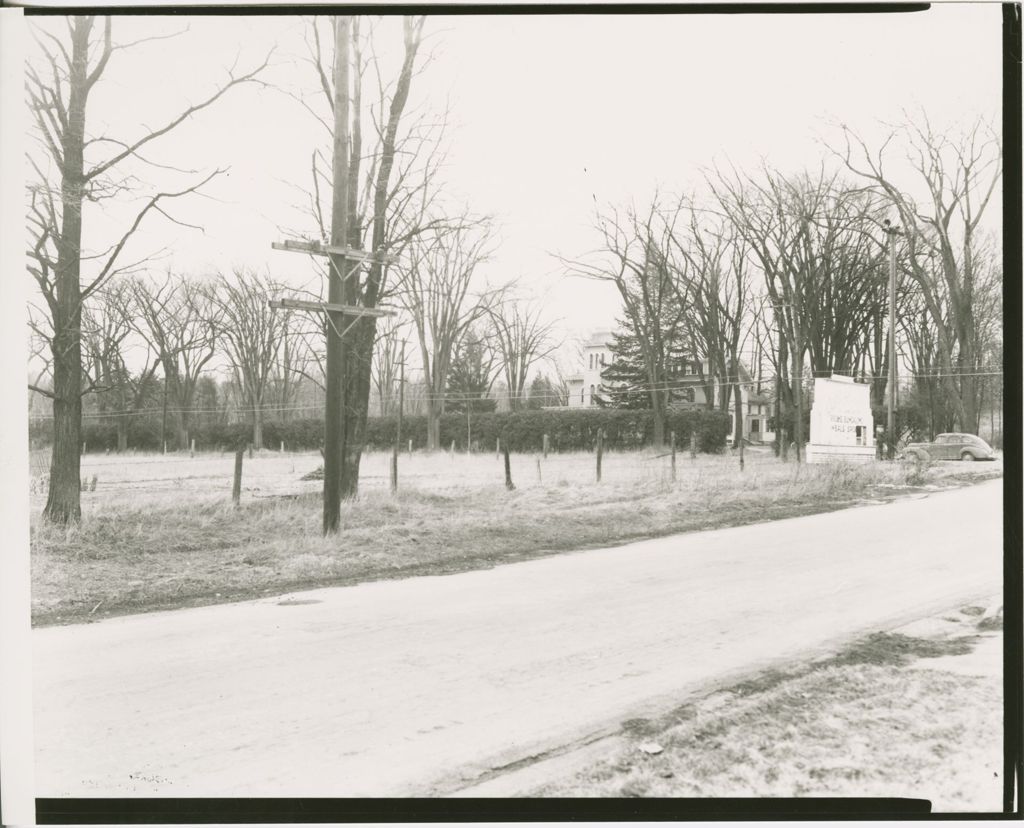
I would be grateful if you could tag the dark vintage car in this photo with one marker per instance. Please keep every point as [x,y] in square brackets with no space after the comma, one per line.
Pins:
[950,447]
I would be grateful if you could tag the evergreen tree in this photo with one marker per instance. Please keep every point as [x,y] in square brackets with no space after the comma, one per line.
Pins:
[542,393]
[470,377]
[625,382]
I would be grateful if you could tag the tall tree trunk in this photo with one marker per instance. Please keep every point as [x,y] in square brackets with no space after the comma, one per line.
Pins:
[798,403]
[359,345]
[433,426]
[784,400]
[658,417]
[63,502]
[969,395]
[738,404]
[357,401]
[257,426]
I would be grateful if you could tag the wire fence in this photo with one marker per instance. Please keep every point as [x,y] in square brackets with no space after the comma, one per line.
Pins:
[178,478]
[415,394]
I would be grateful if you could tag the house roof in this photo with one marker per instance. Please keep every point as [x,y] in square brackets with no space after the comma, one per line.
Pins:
[599,338]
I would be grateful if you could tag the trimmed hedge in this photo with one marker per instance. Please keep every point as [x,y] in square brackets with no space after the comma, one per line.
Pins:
[567,430]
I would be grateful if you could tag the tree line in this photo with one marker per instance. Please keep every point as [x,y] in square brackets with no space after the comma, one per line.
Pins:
[792,270]
[790,264]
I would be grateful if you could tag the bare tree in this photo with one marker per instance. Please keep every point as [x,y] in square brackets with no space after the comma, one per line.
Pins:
[435,291]
[638,256]
[958,176]
[715,292]
[387,356]
[393,164]
[176,316]
[818,244]
[522,339]
[290,366]
[252,335]
[107,351]
[71,173]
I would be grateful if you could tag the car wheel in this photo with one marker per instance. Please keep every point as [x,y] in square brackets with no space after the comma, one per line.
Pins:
[967,457]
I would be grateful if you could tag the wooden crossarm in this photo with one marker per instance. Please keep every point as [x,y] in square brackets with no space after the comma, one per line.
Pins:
[317,248]
[324,307]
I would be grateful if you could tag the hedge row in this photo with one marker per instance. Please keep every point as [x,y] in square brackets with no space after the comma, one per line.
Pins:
[567,430]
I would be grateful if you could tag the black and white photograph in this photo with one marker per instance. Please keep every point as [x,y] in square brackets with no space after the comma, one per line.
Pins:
[512,405]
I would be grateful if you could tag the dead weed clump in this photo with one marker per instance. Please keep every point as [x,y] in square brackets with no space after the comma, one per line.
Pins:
[898,650]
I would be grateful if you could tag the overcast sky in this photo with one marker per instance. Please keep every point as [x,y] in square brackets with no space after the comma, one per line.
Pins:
[550,114]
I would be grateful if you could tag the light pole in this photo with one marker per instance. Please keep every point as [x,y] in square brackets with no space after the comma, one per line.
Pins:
[890,428]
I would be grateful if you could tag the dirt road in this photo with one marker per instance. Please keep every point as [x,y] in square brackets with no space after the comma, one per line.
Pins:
[426,685]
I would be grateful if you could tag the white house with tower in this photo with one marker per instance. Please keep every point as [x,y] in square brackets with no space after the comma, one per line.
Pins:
[585,384]
[690,390]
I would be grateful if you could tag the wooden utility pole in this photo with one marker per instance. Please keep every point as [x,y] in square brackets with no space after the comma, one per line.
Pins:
[672,438]
[236,483]
[508,470]
[337,291]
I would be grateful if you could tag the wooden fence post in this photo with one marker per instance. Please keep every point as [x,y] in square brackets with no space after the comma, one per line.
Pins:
[282,447]
[508,471]
[452,452]
[546,445]
[693,445]
[165,447]
[497,448]
[539,478]
[673,440]
[250,451]
[236,486]
[394,468]
[600,451]
[192,448]
[410,446]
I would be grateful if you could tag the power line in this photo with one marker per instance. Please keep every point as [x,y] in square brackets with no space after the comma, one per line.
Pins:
[415,396]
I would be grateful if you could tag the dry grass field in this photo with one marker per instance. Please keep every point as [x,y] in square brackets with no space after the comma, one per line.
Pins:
[161,532]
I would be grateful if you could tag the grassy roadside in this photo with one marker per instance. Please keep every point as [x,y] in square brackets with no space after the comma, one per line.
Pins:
[129,556]
[893,715]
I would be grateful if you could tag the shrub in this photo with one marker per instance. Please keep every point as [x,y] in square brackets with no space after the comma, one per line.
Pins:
[567,430]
